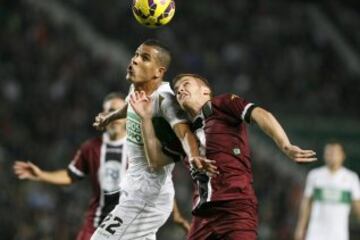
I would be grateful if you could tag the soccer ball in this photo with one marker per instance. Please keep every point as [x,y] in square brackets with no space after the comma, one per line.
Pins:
[153,13]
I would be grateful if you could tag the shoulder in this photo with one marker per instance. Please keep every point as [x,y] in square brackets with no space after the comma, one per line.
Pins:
[131,90]
[316,172]
[223,98]
[351,173]
[227,99]
[165,89]
[165,93]
[166,98]
[91,143]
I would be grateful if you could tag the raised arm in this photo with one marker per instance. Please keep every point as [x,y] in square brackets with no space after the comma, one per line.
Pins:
[29,171]
[304,215]
[191,147]
[268,124]
[155,156]
[103,119]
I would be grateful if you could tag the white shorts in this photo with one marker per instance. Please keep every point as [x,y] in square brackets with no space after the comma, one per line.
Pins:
[133,220]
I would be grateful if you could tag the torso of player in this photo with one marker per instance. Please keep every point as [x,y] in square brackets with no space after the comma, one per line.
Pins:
[331,203]
[140,181]
[223,138]
[104,162]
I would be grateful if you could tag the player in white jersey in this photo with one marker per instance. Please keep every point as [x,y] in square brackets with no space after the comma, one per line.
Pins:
[147,192]
[330,192]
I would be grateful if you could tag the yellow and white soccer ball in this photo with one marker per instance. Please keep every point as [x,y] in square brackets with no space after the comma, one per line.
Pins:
[153,13]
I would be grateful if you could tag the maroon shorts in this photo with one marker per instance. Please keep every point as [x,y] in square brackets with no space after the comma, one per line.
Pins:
[226,220]
[85,233]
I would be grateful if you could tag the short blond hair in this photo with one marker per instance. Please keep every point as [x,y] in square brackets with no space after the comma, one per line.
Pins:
[193,75]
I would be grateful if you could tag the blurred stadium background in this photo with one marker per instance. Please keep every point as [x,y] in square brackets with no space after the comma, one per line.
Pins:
[58,58]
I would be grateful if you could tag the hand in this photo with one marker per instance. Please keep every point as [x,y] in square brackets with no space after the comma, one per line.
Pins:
[182,222]
[101,121]
[141,104]
[27,170]
[299,155]
[204,164]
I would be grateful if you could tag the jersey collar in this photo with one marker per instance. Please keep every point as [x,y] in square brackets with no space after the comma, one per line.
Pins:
[106,139]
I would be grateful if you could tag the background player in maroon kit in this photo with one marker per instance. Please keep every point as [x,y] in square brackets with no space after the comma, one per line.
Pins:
[225,206]
[102,159]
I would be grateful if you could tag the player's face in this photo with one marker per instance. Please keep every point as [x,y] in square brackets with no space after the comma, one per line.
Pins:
[144,65]
[189,92]
[334,155]
[118,126]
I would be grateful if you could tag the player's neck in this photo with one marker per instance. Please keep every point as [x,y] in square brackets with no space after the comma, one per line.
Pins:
[196,107]
[117,135]
[334,168]
[148,87]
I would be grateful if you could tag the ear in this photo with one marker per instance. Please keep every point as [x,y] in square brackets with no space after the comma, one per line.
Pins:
[205,90]
[160,72]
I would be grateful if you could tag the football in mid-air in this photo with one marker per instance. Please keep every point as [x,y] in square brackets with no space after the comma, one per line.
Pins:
[153,13]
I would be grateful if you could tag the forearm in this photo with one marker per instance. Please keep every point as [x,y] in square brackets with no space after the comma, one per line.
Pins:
[177,215]
[155,156]
[268,124]
[176,211]
[60,177]
[188,140]
[356,208]
[179,219]
[118,114]
[304,216]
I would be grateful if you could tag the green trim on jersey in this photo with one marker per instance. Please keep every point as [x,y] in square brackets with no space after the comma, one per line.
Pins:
[133,129]
[332,195]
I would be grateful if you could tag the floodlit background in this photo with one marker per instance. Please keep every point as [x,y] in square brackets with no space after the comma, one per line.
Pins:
[59,58]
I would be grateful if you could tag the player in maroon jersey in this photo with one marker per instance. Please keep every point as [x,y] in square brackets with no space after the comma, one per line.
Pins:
[225,206]
[103,160]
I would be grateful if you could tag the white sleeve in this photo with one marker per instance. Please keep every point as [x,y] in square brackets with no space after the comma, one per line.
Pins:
[310,185]
[171,110]
[355,191]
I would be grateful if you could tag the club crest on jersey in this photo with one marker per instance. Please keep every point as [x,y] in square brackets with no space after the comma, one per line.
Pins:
[236,151]
[110,173]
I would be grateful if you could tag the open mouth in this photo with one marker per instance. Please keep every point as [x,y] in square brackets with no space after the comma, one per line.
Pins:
[182,96]
[130,69]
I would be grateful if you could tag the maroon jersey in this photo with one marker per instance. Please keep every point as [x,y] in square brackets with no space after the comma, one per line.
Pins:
[103,162]
[221,130]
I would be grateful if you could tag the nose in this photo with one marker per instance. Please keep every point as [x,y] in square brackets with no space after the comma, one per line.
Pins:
[180,89]
[134,60]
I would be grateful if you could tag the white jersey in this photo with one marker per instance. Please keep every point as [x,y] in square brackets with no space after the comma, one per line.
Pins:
[146,197]
[139,181]
[332,195]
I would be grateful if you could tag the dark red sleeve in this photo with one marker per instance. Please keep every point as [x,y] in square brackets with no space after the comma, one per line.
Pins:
[238,107]
[78,168]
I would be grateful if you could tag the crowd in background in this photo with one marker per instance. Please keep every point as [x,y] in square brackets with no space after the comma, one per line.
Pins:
[266,50]
[52,87]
